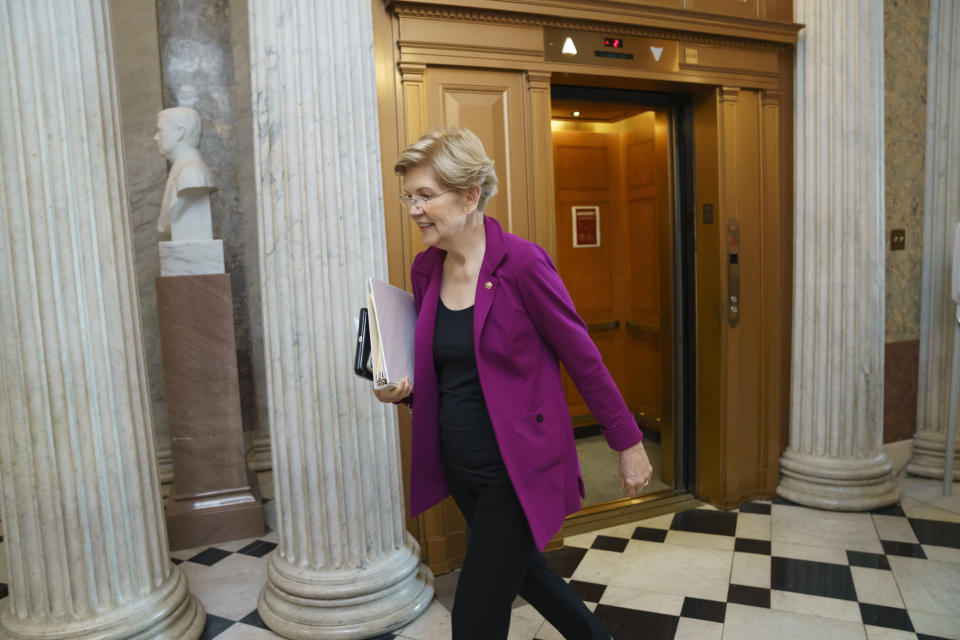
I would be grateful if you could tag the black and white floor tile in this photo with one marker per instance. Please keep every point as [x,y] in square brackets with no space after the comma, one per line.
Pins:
[766,570]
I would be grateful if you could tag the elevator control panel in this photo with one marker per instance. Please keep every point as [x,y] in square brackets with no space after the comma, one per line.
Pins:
[733,272]
[611,50]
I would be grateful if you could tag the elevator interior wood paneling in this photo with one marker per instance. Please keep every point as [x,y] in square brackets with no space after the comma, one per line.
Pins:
[623,286]
[489,65]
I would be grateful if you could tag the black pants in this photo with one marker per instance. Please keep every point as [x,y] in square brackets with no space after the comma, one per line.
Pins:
[503,561]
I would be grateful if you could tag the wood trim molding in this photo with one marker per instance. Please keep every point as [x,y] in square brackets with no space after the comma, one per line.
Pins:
[728,94]
[411,71]
[626,19]
[461,50]
[771,98]
[539,146]
[539,79]
[414,100]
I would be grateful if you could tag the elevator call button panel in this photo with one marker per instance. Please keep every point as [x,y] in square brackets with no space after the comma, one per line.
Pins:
[610,50]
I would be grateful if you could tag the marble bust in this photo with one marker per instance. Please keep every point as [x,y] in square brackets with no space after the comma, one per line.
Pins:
[186,200]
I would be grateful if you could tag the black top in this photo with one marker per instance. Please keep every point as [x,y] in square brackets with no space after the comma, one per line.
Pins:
[469,444]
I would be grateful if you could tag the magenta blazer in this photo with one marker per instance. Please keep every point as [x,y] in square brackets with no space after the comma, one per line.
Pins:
[523,322]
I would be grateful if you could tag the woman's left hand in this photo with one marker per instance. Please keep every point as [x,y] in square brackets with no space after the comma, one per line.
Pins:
[635,469]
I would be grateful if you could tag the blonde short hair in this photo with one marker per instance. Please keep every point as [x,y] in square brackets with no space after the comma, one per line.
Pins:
[457,158]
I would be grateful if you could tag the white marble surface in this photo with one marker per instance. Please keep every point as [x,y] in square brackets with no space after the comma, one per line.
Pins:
[932,495]
[819,606]
[916,508]
[753,526]
[665,603]
[808,552]
[928,586]
[598,566]
[688,571]
[835,459]
[704,540]
[191,258]
[894,528]
[882,633]
[345,564]
[941,554]
[941,214]
[691,629]
[876,586]
[810,527]
[83,528]
[228,587]
[751,569]
[751,623]
[936,625]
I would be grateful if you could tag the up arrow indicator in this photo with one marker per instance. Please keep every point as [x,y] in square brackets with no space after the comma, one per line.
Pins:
[657,52]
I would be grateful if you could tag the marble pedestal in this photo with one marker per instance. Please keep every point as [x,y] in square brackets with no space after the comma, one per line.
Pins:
[214,498]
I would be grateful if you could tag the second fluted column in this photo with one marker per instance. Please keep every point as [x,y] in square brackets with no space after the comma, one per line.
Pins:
[835,459]
[345,566]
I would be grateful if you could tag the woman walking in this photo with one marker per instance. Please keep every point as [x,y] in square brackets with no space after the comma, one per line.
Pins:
[491,425]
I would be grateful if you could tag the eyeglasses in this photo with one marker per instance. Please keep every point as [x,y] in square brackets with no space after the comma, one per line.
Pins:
[422,202]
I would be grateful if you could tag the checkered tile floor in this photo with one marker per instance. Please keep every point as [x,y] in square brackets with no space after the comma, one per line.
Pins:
[767,570]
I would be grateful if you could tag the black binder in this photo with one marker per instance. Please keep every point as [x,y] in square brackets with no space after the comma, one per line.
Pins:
[361,360]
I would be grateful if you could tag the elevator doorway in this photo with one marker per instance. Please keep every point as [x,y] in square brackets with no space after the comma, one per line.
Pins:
[621,175]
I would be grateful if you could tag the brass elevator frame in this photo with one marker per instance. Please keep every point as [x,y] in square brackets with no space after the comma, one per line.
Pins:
[438,61]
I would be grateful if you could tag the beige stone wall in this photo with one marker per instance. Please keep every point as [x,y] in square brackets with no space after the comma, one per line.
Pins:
[906,26]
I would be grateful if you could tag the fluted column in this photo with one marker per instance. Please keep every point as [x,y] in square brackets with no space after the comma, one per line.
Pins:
[84,537]
[345,566]
[835,458]
[941,213]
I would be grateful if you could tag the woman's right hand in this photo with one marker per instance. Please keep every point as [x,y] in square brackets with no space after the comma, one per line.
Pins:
[396,392]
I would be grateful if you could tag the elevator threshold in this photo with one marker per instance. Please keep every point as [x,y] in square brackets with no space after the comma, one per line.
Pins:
[628,510]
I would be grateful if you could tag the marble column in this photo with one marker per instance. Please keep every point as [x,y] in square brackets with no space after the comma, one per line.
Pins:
[345,566]
[941,213]
[258,449]
[85,545]
[835,458]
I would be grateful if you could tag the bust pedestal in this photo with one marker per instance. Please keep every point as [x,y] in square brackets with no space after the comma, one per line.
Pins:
[214,498]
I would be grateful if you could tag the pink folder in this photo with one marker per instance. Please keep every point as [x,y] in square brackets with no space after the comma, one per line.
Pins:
[393,319]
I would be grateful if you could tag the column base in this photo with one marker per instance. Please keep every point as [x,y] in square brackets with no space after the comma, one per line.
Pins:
[838,484]
[929,459]
[348,604]
[204,520]
[171,613]
[165,465]
[258,456]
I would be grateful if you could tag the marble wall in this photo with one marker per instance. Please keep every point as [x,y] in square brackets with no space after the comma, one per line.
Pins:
[906,27]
